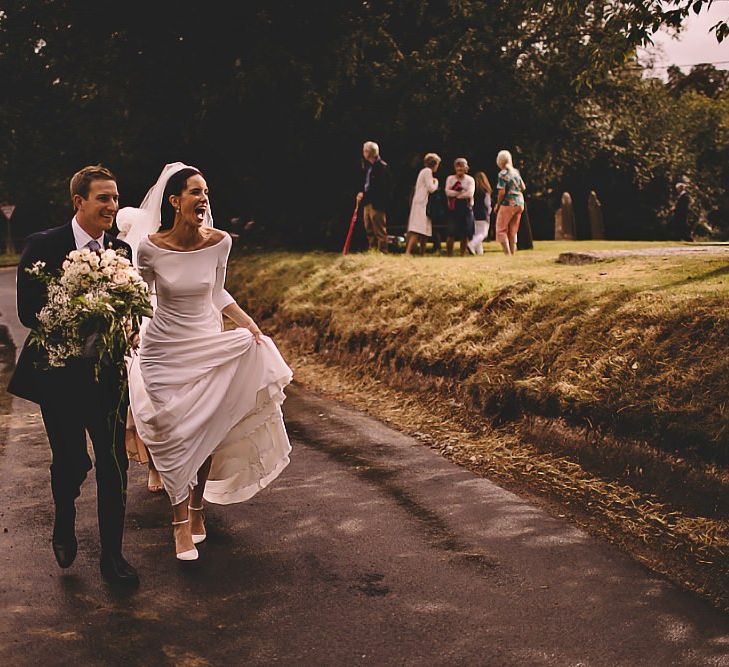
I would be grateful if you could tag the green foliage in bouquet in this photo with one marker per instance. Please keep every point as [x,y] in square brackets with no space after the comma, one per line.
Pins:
[95,306]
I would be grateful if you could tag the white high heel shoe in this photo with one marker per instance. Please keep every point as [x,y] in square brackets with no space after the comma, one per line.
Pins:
[190,554]
[197,537]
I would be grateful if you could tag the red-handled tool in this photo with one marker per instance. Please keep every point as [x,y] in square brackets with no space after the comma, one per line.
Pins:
[348,240]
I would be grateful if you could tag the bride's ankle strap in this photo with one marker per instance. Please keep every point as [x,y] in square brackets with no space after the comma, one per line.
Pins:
[179,523]
[197,509]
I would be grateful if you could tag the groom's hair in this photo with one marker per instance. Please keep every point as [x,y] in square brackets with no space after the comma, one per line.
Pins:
[81,180]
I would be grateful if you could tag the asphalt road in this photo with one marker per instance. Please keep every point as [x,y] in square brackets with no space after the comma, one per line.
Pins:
[370,549]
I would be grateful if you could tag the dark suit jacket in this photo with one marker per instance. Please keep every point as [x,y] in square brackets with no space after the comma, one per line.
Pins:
[380,189]
[50,246]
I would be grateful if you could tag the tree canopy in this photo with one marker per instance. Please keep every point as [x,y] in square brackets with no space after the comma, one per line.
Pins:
[273,102]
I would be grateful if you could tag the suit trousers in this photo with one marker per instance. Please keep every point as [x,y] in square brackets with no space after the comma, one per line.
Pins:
[74,402]
[375,223]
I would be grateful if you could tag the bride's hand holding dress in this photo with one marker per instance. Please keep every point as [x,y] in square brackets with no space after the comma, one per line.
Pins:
[239,317]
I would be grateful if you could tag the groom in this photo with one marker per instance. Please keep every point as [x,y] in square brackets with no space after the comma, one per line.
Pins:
[72,400]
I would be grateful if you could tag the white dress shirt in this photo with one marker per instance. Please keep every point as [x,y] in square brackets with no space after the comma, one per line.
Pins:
[82,238]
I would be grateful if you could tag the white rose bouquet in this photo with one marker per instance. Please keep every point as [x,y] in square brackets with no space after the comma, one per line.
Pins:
[94,307]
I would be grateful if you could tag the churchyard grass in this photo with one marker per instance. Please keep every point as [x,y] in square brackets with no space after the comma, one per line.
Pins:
[599,387]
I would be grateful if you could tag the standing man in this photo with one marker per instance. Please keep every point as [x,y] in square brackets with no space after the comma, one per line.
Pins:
[72,399]
[375,196]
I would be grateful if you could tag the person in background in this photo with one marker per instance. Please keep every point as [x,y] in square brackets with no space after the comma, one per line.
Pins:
[420,227]
[594,213]
[509,202]
[460,188]
[680,219]
[481,213]
[137,451]
[374,196]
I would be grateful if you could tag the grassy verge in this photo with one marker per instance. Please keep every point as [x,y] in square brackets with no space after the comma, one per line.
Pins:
[602,386]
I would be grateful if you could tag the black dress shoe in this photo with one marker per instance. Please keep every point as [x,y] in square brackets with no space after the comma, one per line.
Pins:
[64,549]
[116,570]
[64,541]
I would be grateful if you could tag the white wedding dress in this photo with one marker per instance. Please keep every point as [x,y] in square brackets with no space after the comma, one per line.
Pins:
[196,390]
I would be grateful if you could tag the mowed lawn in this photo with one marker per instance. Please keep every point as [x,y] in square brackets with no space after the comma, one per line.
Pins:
[691,274]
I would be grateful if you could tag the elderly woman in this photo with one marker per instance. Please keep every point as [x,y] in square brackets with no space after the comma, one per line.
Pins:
[460,188]
[509,202]
[420,227]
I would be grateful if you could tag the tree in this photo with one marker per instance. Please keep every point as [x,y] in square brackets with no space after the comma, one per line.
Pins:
[274,100]
[704,78]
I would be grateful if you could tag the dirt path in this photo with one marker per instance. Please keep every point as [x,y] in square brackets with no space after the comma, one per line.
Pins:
[370,549]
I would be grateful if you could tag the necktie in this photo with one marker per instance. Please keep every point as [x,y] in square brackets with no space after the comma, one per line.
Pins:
[93,245]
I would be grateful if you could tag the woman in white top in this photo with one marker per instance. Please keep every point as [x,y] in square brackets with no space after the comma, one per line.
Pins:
[460,188]
[206,402]
[420,226]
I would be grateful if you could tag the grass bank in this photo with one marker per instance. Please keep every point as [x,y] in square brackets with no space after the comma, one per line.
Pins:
[602,387]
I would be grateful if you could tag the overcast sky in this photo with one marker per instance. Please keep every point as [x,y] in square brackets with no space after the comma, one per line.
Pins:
[696,44]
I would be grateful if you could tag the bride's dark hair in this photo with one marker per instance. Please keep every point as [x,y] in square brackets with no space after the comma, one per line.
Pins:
[175,185]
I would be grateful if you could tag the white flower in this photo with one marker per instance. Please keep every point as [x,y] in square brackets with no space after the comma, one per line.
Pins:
[93,290]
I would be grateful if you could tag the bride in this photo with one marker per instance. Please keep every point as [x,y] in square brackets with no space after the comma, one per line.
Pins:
[206,402]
